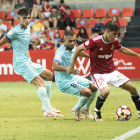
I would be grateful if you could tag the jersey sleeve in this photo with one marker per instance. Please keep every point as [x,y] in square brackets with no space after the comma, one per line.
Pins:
[12,34]
[89,44]
[118,46]
[58,57]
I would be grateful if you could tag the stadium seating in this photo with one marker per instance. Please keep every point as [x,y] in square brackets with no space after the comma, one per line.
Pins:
[16,22]
[82,23]
[101,13]
[77,12]
[8,23]
[10,15]
[61,32]
[105,20]
[49,33]
[2,14]
[113,12]
[88,13]
[127,12]
[88,32]
[123,22]
[76,32]
[92,22]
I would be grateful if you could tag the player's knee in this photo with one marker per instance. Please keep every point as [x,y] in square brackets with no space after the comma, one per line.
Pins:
[88,92]
[132,89]
[49,77]
[39,82]
[105,91]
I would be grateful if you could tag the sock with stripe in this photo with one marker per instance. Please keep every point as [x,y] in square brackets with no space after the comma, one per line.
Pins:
[100,102]
[82,101]
[136,99]
[44,98]
[91,98]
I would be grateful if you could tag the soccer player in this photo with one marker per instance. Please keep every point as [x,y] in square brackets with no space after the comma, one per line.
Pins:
[103,70]
[73,84]
[32,72]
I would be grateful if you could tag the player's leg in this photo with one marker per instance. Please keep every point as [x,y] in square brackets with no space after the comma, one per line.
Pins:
[100,81]
[134,94]
[47,75]
[42,92]
[85,93]
[88,84]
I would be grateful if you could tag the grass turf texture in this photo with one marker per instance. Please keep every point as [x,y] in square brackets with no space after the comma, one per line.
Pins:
[21,117]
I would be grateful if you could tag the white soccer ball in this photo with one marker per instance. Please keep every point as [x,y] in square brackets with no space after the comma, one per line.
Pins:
[123,113]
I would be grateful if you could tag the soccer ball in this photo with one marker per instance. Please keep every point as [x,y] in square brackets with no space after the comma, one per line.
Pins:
[123,113]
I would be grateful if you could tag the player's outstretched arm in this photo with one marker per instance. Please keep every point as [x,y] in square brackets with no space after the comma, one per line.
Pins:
[76,54]
[3,41]
[128,52]
[83,54]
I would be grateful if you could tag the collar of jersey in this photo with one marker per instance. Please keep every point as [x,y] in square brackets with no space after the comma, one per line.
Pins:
[104,41]
[21,27]
[69,50]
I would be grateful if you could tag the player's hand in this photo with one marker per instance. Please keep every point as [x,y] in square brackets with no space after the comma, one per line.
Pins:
[69,70]
[76,71]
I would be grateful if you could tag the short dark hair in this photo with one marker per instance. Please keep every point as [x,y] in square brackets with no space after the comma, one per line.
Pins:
[69,33]
[61,1]
[112,26]
[54,7]
[68,8]
[23,12]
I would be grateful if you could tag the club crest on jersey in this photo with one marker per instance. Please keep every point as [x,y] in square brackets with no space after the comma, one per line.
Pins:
[87,43]
[112,48]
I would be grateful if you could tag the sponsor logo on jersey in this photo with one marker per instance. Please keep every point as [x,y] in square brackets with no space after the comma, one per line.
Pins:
[106,56]
[112,48]
[101,49]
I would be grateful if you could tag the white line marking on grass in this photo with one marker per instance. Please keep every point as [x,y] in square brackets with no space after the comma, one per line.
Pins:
[128,134]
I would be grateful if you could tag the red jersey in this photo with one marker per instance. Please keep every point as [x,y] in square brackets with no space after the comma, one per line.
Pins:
[71,16]
[101,54]
[47,44]
[47,7]
[59,8]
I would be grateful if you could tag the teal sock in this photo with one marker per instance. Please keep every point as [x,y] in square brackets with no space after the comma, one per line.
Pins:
[91,98]
[48,85]
[44,98]
[82,101]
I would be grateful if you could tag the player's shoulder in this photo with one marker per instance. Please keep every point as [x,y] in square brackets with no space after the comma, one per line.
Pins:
[97,38]
[61,50]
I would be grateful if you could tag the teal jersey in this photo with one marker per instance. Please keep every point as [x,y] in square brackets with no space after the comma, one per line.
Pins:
[64,57]
[20,39]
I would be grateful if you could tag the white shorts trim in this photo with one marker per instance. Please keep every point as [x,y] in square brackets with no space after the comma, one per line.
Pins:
[114,78]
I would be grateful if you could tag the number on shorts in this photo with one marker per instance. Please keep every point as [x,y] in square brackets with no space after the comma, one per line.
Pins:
[100,80]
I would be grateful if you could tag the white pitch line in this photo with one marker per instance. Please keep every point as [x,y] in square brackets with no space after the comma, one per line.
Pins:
[128,134]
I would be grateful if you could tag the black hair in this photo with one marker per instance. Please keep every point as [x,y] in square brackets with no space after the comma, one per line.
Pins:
[61,1]
[23,12]
[69,33]
[68,8]
[40,2]
[54,7]
[112,26]
[85,32]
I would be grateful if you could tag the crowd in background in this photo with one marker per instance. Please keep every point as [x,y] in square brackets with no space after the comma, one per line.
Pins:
[54,18]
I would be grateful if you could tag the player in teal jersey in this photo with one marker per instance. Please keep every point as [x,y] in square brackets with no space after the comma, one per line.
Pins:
[32,72]
[73,84]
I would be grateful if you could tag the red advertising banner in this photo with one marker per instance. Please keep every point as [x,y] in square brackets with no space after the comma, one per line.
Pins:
[128,65]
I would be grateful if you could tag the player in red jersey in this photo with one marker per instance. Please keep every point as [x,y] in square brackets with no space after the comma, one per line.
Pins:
[103,70]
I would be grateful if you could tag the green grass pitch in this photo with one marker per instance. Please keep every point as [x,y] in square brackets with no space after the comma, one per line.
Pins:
[21,117]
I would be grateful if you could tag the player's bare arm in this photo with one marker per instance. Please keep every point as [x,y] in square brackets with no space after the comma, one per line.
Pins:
[128,52]
[83,54]
[3,41]
[76,54]
[57,67]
